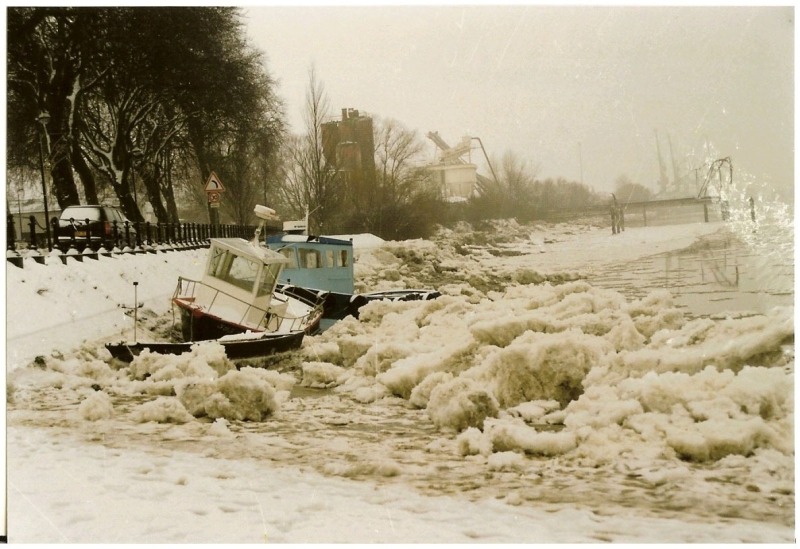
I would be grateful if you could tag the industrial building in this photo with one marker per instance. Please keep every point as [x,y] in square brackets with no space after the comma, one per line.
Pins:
[349,144]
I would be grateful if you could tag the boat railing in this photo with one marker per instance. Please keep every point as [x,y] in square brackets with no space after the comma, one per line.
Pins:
[269,319]
[274,320]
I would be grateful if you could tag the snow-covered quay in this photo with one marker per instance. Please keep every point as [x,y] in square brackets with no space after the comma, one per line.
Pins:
[538,400]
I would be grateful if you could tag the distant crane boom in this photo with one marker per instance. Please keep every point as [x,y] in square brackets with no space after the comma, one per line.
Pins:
[434,136]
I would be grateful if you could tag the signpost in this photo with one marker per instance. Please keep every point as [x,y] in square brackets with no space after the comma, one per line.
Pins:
[214,190]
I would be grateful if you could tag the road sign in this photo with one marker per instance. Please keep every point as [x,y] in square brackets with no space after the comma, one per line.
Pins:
[214,185]
[213,197]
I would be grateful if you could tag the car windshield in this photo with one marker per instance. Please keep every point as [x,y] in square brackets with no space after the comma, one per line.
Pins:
[79,214]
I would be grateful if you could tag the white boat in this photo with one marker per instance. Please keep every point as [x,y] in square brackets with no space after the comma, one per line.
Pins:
[238,303]
[238,293]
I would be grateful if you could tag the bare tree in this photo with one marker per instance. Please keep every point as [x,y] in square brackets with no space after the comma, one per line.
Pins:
[401,182]
[49,50]
[311,179]
[108,129]
[510,195]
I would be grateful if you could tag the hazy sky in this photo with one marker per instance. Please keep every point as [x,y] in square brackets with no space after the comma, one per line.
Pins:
[577,92]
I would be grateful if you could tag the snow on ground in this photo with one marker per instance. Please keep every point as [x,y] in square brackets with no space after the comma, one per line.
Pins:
[55,306]
[524,405]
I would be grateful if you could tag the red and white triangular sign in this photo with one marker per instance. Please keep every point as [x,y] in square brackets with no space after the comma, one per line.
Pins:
[214,185]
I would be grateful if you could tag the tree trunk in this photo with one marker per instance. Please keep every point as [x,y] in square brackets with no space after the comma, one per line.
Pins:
[58,147]
[154,196]
[64,184]
[129,208]
[86,176]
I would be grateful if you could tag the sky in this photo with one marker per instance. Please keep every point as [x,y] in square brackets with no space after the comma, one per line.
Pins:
[580,92]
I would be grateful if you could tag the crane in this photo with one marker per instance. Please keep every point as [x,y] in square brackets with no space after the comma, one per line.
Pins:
[452,155]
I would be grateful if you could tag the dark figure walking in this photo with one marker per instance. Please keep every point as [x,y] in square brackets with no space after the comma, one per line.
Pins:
[752,210]
[614,210]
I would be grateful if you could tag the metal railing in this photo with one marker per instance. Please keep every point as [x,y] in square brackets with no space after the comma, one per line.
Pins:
[127,237]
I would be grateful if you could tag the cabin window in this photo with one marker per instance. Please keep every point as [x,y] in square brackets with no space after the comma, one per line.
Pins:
[329,258]
[288,253]
[341,259]
[310,259]
[233,269]
[220,263]
[269,280]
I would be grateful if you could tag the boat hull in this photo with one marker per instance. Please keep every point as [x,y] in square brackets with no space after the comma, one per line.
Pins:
[199,325]
[264,345]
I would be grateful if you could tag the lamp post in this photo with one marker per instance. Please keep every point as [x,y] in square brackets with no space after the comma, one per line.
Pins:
[43,119]
[19,211]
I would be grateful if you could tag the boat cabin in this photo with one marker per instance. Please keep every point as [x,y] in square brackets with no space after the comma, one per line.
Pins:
[316,262]
[239,281]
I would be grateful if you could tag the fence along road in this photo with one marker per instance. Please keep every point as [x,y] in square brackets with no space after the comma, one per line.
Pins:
[144,238]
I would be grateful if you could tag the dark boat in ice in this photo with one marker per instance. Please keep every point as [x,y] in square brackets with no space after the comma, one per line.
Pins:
[250,345]
[239,304]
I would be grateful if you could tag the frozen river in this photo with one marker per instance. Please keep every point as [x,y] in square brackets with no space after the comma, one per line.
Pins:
[362,443]
[718,274]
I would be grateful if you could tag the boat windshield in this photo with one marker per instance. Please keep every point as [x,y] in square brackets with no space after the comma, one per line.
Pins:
[270,279]
[233,269]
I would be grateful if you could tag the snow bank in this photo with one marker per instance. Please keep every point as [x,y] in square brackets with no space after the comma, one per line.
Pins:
[237,395]
[513,435]
[537,366]
[460,403]
[87,300]
[203,360]
[576,371]
[207,384]
[96,406]
[162,410]
[320,374]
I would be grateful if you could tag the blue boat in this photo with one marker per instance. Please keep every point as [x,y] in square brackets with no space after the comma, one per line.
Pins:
[325,264]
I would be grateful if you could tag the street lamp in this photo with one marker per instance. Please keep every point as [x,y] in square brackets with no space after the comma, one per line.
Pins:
[19,211]
[43,119]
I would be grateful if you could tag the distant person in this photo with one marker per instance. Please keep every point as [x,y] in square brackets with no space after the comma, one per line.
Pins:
[752,209]
[614,210]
